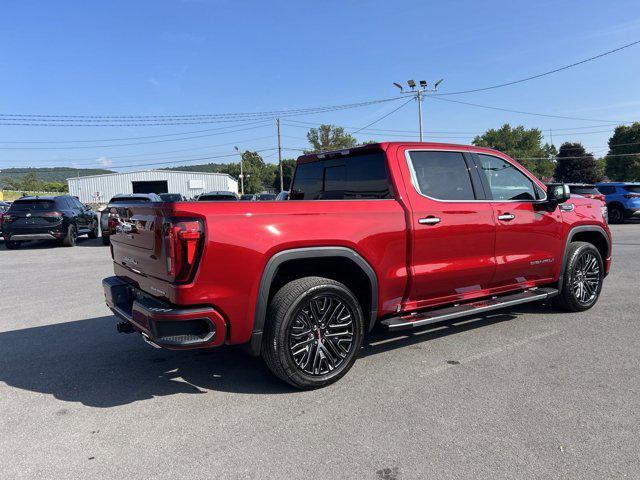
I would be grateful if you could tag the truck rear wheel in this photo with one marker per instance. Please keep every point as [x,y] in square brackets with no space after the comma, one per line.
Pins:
[313,333]
[583,278]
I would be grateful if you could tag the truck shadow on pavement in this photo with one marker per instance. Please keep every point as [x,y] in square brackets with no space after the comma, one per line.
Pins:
[86,361]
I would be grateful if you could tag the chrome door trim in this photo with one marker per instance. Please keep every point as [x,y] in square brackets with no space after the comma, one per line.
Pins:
[416,185]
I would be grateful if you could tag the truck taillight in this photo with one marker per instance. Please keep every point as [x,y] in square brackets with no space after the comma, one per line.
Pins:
[183,240]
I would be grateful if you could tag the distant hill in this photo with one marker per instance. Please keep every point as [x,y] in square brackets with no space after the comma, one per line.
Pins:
[55,174]
[205,167]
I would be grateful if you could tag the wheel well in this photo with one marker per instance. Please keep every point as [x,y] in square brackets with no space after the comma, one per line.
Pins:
[596,239]
[612,205]
[340,269]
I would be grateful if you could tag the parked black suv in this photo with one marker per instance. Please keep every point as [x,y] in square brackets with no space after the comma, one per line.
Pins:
[61,218]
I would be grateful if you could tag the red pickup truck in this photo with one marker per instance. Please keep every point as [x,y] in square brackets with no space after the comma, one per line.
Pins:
[397,234]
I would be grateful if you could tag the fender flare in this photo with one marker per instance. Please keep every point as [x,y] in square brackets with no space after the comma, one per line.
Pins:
[271,268]
[572,233]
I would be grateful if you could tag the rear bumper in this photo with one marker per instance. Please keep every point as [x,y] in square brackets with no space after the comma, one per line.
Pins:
[34,233]
[162,324]
[31,236]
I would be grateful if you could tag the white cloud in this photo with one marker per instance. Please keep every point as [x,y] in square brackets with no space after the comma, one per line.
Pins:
[104,161]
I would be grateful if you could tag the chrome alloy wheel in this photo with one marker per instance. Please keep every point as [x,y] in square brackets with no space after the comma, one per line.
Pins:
[321,334]
[586,278]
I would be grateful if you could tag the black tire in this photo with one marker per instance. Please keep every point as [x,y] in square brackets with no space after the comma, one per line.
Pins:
[105,240]
[95,231]
[293,308]
[583,276]
[616,214]
[70,238]
[11,245]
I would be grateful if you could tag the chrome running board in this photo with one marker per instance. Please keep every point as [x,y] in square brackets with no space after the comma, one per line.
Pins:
[467,309]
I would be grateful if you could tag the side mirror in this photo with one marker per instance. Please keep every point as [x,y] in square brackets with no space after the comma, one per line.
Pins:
[557,193]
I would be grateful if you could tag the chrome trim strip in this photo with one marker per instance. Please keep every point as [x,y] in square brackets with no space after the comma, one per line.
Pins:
[33,236]
[414,178]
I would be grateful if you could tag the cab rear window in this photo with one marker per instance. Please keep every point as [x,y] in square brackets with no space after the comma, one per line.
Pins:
[349,177]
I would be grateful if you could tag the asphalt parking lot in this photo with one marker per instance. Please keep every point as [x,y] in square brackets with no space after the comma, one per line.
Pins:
[524,393]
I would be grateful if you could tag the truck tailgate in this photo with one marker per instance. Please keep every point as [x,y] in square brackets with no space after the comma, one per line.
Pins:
[137,241]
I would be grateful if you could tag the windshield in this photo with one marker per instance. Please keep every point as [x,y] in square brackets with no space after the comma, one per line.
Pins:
[32,205]
[267,196]
[632,188]
[214,198]
[171,197]
[586,190]
[129,200]
[247,196]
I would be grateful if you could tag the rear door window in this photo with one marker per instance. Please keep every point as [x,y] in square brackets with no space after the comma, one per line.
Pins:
[441,175]
[632,188]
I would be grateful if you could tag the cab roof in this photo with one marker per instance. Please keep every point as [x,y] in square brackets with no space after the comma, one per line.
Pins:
[384,146]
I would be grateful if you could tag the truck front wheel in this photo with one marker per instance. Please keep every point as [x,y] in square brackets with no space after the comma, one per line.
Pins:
[583,278]
[313,333]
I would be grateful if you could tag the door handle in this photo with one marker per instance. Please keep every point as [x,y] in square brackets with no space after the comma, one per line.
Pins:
[506,217]
[430,220]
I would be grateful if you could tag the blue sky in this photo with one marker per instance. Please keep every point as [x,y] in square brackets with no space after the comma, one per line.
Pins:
[167,57]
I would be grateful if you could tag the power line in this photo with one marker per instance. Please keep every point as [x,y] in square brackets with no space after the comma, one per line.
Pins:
[265,122]
[137,143]
[384,131]
[533,77]
[93,160]
[163,120]
[198,159]
[526,113]
[384,116]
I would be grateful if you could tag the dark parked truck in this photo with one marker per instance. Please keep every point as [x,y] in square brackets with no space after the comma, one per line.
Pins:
[396,234]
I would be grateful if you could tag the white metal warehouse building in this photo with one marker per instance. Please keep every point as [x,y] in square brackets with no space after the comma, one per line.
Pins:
[100,188]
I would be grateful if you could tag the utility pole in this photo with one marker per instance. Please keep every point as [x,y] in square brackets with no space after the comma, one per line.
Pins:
[419,95]
[241,172]
[280,155]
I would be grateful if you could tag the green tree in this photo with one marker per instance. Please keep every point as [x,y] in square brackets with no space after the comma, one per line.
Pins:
[623,158]
[288,167]
[257,176]
[30,182]
[575,165]
[329,137]
[524,145]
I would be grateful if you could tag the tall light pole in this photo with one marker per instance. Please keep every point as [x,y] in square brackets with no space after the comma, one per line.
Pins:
[241,172]
[280,155]
[419,95]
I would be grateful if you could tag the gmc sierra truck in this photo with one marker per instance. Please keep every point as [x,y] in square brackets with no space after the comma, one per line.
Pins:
[396,234]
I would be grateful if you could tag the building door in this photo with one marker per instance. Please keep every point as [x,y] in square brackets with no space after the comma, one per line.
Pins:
[156,186]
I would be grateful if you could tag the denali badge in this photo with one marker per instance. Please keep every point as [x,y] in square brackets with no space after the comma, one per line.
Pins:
[129,260]
[544,260]
[157,290]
